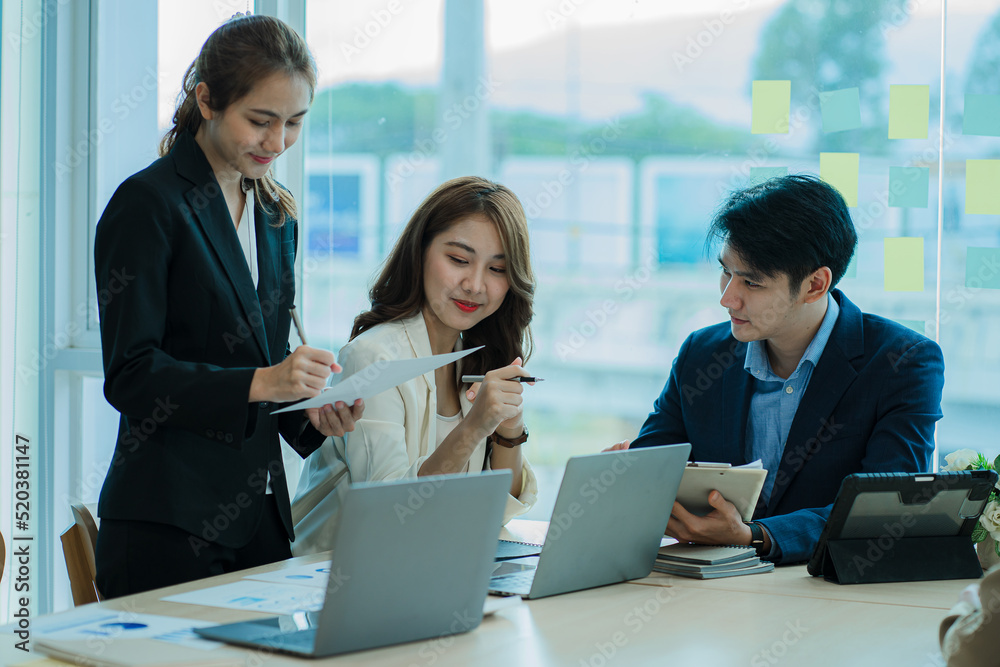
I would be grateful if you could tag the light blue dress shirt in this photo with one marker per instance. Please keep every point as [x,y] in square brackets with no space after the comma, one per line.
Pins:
[775,400]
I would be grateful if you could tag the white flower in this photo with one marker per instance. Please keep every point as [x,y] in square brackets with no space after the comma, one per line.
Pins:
[990,519]
[960,460]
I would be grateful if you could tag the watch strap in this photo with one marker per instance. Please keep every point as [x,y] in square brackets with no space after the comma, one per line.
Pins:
[756,536]
[509,444]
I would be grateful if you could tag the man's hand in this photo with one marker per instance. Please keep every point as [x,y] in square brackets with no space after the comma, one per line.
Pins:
[723,525]
[617,447]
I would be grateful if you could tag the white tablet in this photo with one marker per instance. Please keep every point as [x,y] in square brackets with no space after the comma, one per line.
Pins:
[740,486]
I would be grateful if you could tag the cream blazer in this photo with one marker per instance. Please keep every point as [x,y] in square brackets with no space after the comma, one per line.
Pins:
[391,441]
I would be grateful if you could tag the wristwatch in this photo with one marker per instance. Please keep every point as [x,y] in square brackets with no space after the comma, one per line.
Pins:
[509,444]
[756,537]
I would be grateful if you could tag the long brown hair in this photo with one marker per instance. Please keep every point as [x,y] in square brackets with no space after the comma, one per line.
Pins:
[241,53]
[399,290]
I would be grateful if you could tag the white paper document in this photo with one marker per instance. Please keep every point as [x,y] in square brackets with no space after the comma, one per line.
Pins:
[251,595]
[315,575]
[105,625]
[376,378]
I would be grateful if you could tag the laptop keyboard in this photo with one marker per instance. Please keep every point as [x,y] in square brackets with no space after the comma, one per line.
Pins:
[516,582]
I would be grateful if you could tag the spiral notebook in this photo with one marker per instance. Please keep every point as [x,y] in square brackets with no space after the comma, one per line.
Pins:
[703,561]
[508,549]
[704,554]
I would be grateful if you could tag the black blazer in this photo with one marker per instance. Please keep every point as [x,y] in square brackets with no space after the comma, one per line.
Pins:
[182,331]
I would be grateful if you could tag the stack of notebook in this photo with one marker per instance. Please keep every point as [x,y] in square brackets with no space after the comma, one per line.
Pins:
[701,561]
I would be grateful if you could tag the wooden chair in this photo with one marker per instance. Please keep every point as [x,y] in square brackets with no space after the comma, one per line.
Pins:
[78,543]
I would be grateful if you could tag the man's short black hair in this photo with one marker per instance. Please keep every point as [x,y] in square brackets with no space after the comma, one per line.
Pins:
[789,225]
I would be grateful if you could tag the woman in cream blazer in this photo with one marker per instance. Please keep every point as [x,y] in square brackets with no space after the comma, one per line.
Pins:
[390,442]
[459,277]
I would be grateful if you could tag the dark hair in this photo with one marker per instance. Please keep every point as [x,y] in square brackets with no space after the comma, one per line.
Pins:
[789,224]
[399,290]
[238,55]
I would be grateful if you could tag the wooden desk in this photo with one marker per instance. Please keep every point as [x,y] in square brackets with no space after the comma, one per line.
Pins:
[783,618]
[794,581]
[787,580]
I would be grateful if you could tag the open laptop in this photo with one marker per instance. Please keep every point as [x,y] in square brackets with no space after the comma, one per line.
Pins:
[411,560]
[607,523]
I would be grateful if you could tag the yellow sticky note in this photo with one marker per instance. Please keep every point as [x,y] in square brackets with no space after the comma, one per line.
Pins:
[904,264]
[909,111]
[772,103]
[841,171]
[982,186]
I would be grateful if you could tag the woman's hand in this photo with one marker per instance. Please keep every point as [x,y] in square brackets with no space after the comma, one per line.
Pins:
[497,402]
[301,375]
[337,419]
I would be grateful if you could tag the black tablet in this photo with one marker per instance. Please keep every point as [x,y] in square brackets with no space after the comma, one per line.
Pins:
[903,527]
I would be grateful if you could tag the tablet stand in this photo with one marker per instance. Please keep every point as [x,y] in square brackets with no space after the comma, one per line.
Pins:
[866,561]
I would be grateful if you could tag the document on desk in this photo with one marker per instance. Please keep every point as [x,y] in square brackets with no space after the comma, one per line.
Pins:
[376,378]
[135,653]
[314,574]
[251,595]
[97,623]
[270,596]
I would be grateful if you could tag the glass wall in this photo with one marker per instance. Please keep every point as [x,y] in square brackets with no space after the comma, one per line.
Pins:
[621,126]
[969,289]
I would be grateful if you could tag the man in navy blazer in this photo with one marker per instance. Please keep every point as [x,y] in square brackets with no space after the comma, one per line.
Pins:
[799,377]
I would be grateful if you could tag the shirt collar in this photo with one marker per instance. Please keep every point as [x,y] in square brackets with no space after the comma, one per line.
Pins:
[759,366]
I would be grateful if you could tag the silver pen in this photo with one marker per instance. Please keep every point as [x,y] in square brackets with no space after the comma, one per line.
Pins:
[479,378]
[298,325]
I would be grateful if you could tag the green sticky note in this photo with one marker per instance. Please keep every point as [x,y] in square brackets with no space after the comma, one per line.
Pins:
[772,103]
[982,186]
[982,268]
[841,171]
[841,110]
[917,325]
[852,267]
[909,111]
[761,174]
[982,115]
[908,186]
[904,264]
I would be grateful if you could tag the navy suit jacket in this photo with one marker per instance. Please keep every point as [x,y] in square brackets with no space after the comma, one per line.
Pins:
[182,330]
[870,406]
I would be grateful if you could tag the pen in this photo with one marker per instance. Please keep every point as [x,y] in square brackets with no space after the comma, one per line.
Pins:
[298,325]
[480,378]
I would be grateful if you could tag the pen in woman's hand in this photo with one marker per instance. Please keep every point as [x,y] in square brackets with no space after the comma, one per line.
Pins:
[480,378]
[298,325]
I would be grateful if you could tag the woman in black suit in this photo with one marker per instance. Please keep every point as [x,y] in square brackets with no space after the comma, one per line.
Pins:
[194,260]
